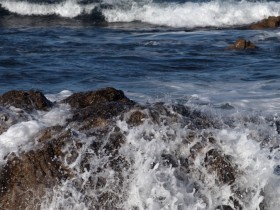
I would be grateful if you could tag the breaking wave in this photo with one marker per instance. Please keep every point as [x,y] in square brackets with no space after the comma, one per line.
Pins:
[159,156]
[187,14]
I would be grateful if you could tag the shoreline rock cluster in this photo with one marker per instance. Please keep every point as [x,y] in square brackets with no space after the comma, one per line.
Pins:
[271,22]
[90,143]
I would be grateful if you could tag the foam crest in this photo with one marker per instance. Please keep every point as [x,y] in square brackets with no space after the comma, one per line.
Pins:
[213,13]
[68,9]
[189,14]
[20,135]
[16,135]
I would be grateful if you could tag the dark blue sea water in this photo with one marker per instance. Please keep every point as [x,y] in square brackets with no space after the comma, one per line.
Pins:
[160,49]
[153,50]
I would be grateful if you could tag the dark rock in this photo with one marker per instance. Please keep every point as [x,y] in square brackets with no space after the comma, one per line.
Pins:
[3,12]
[95,108]
[223,207]
[196,149]
[270,22]
[91,141]
[93,98]
[114,142]
[25,100]
[242,44]
[49,133]
[136,118]
[24,179]
[100,114]
[6,120]
[169,160]
[218,163]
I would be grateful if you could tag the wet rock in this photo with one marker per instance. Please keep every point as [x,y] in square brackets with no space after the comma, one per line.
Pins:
[91,141]
[7,119]
[270,22]
[99,115]
[93,98]
[196,149]
[49,133]
[136,118]
[218,163]
[96,108]
[242,44]
[24,179]
[28,101]
[115,141]
[170,160]
[224,207]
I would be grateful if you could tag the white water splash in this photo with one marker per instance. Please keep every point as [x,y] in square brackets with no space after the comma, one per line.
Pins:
[190,14]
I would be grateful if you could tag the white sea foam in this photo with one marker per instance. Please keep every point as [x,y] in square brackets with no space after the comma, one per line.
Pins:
[65,9]
[151,184]
[213,13]
[20,136]
[158,188]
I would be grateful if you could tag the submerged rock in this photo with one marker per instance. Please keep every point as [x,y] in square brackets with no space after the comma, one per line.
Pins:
[27,100]
[270,22]
[242,44]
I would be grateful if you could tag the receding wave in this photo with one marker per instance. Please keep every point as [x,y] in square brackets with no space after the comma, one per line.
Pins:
[172,14]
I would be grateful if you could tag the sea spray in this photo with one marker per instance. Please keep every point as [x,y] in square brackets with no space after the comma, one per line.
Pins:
[153,156]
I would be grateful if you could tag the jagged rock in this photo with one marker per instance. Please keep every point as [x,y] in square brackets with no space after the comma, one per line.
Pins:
[92,143]
[218,163]
[242,44]
[270,22]
[28,101]
[93,98]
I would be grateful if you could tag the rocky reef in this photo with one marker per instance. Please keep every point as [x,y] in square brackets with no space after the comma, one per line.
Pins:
[92,160]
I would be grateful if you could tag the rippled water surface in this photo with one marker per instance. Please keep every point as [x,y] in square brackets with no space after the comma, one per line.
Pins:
[143,60]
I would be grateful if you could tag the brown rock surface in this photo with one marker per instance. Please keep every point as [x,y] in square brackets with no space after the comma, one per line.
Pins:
[270,22]
[29,100]
[91,98]
[220,164]
[136,118]
[95,108]
[242,44]
[92,142]
[24,179]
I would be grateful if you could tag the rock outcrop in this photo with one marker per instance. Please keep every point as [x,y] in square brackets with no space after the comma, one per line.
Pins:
[241,44]
[86,154]
[270,22]
[27,100]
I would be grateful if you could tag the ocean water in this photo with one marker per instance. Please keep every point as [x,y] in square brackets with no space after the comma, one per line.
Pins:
[155,51]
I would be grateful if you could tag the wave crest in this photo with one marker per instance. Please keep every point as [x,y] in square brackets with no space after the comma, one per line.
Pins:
[187,14]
